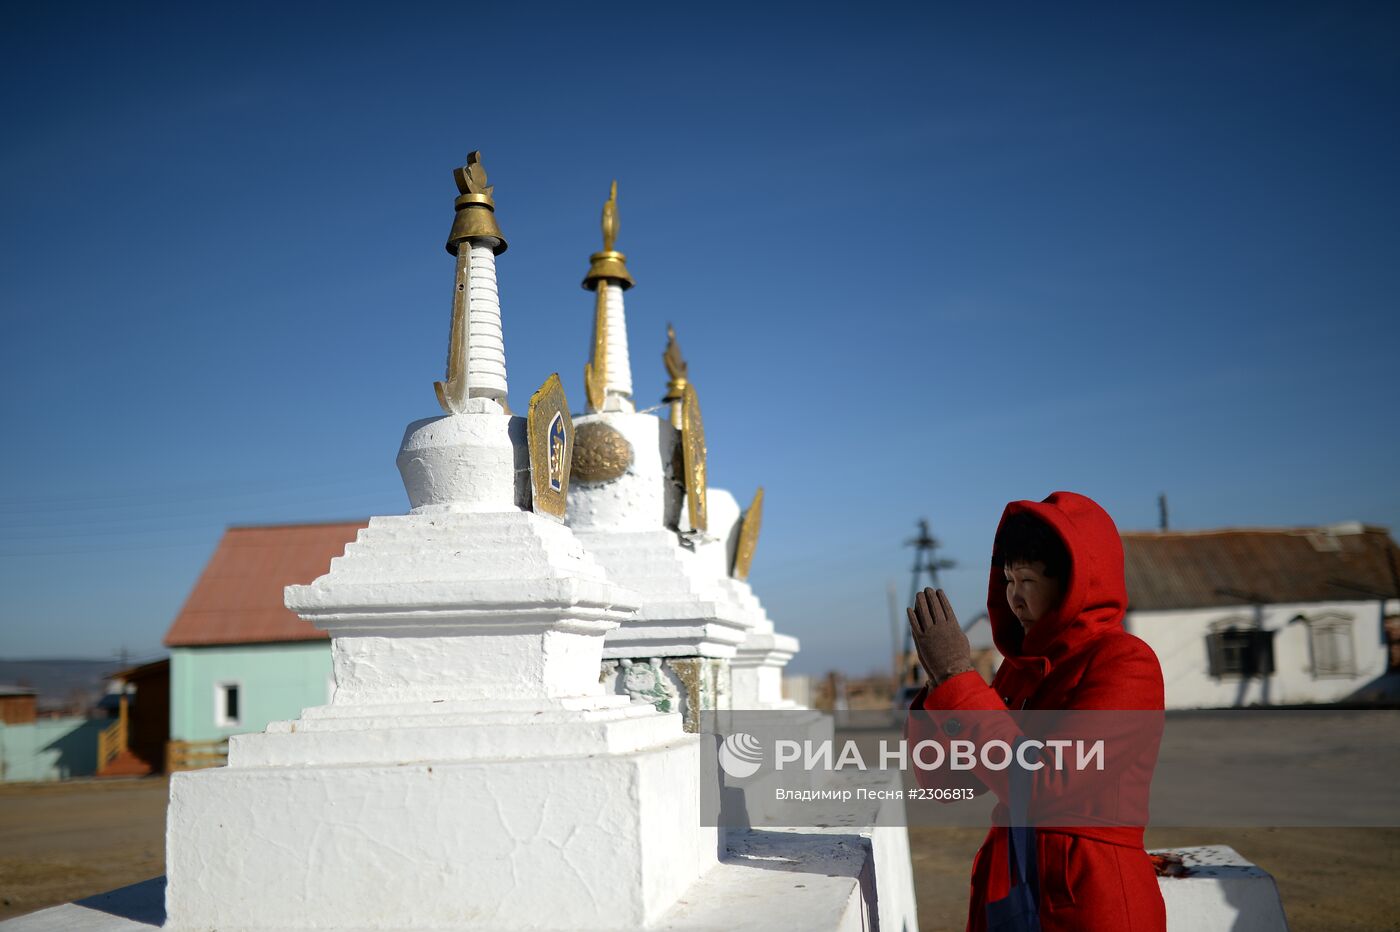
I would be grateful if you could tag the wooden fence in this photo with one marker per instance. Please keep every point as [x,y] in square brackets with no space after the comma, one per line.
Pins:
[195,755]
[111,741]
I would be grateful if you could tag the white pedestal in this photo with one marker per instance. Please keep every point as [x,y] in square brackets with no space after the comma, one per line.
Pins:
[1221,892]
[544,842]
[470,772]
[756,672]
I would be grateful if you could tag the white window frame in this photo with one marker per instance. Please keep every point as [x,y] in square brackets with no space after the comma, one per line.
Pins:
[220,704]
[1327,624]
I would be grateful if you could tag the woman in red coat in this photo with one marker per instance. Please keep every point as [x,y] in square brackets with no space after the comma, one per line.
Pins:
[1056,602]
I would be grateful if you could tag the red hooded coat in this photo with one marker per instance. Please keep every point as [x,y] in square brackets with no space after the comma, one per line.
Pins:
[1091,876]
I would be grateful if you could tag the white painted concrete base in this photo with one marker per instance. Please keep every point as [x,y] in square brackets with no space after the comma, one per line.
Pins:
[811,880]
[1222,892]
[783,880]
[847,878]
[549,842]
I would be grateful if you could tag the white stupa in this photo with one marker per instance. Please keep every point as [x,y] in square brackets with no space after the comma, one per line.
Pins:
[631,508]
[470,772]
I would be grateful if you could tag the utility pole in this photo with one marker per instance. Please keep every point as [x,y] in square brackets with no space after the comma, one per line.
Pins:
[896,621]
[1162,512]
[926,562]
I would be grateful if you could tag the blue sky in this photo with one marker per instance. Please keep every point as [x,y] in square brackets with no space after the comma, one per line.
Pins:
[923,260]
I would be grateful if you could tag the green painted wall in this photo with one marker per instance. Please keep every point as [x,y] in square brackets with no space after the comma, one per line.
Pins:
[49,749]
[276,682]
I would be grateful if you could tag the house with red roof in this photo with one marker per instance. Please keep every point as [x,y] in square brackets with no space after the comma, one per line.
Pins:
[238,658]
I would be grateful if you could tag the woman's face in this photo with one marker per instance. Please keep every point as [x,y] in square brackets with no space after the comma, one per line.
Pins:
[1029,592]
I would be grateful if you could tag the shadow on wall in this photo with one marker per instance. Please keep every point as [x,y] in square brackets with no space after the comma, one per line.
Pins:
[1383,690]
[49,749]
[74,753]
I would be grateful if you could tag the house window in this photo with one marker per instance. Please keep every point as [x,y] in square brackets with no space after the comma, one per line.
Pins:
[1330,643]
[1239,648]
[228,710]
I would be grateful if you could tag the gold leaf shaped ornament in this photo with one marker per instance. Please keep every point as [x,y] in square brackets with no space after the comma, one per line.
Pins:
[595,371]
[693,455]
[749,527]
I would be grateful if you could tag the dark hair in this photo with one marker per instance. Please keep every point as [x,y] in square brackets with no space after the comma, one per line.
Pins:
[1024,538]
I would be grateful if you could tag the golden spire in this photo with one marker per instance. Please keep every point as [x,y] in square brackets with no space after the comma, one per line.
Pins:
[608,265]
[676,368]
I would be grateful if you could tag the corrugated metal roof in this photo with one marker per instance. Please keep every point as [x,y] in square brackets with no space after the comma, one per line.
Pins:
[238,598]
[1200,569]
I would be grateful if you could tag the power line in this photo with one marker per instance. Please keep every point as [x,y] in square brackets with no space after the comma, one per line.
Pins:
[186,492]
[218,515]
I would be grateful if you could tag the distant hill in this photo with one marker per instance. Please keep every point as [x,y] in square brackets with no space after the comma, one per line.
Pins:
[71,685]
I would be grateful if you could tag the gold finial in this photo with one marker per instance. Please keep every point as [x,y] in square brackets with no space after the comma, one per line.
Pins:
[471,177]
[676,368]
[475,209]
[608,265]
[610,219]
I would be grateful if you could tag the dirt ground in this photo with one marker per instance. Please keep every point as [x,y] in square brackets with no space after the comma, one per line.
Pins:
[64,841]
[1331,880]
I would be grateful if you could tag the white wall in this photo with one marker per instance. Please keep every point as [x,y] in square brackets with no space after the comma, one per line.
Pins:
[1179,639]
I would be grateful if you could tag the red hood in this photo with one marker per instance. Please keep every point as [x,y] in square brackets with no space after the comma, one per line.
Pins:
[1096,595]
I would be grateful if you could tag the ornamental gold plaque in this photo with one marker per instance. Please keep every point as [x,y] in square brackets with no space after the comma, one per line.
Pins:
[748,536]
[551,437]
[693,457]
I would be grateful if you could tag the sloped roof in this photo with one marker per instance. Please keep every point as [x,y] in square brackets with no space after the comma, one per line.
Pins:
[1201,569]
[238,598]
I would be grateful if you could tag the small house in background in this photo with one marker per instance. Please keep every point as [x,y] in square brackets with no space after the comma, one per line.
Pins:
[1268,617]
[134,744]
[238,658]
[18,705]
[39,746]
